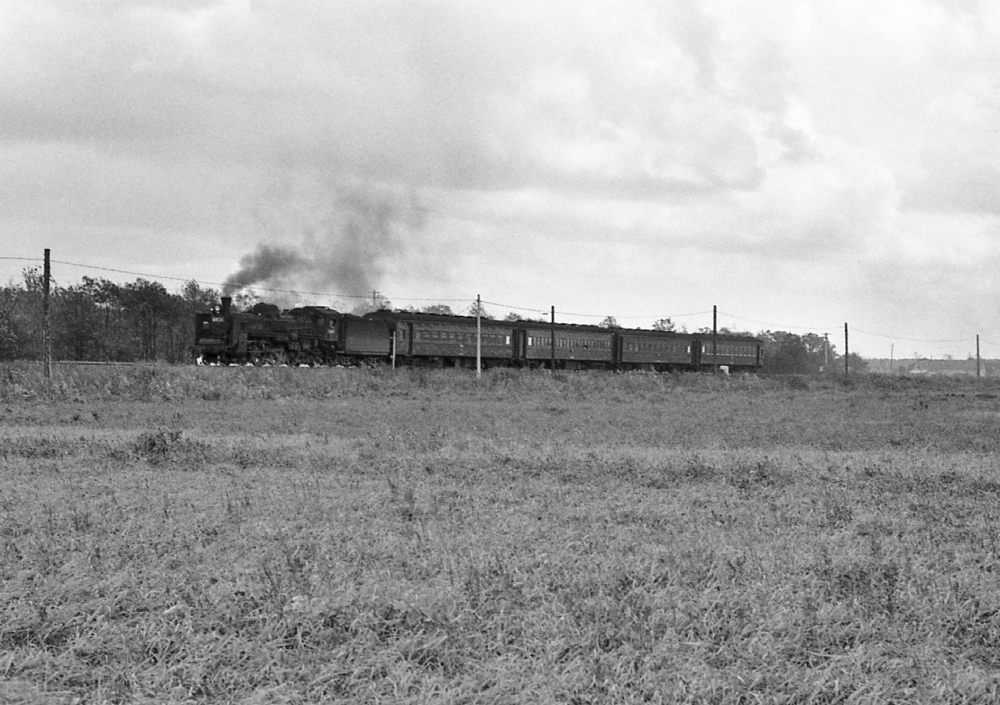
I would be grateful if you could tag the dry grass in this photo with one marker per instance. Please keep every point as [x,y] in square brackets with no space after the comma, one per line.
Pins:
[301,536]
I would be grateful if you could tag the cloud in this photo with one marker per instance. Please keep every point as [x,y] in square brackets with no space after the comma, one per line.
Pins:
[442,146]
[443,95]
[957,184]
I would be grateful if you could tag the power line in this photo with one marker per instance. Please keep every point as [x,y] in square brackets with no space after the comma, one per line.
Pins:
[909,340]
[776,325]
[536,311]
[630,317]
[514,308]
[336,295]
[853,330]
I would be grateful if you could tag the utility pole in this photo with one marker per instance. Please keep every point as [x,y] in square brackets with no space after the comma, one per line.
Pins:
[46,323]
[479,338]
[715,335]
[977,354]
[553,339]
[826,353]
[374,300]
[847,354]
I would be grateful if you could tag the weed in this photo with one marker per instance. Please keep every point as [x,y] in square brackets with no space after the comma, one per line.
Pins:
[166,446]
[157,444]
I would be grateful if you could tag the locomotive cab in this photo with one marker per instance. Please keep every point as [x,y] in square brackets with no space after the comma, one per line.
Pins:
[210,333]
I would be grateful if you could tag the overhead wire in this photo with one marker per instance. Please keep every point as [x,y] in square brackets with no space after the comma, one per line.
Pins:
[774,326]
[909,340]
[510,307]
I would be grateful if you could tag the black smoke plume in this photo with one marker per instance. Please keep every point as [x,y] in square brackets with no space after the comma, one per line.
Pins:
[268,263]
[344,248]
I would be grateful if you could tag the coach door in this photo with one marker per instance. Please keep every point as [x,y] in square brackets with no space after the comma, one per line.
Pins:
[519,339]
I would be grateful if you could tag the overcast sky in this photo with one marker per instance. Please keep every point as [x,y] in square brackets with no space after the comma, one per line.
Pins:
[797,164]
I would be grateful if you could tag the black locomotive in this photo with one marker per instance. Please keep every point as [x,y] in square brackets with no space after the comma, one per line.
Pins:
[315,335]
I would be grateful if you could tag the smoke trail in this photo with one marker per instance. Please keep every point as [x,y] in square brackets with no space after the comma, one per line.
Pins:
[267,264]
[344,249]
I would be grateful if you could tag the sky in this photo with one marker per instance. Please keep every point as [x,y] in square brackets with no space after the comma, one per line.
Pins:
[798,164]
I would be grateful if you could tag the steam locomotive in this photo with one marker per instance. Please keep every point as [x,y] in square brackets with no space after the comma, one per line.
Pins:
[316,335]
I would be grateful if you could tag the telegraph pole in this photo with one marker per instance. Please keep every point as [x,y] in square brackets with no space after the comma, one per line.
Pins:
[479,338]
[46,323]
[977,354]
[847,354]
[715,335]
[553,339]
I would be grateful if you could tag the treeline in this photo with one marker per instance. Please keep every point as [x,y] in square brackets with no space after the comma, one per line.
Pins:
[809,354]
[101,320]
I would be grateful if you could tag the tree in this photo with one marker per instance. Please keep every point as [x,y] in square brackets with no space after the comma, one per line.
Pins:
[20,318]
[609,322]
[198,299]
[113,341]
[477,308]
[854,361]
[151,311]
[513,317]
[440,309]
[664,325]
[76,329]
[788,353]
[101,320]
[19,330]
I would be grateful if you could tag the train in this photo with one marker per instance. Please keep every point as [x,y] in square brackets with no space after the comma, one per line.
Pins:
[317,335]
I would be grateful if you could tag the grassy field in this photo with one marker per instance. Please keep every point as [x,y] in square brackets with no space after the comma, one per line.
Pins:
[302,536]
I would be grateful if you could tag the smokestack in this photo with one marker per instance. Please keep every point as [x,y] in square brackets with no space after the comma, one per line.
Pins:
[227,302]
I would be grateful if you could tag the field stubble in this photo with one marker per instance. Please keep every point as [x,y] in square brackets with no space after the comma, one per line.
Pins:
[299,536]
